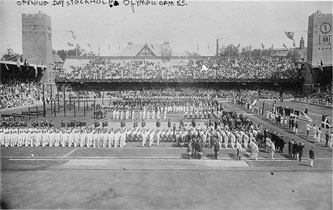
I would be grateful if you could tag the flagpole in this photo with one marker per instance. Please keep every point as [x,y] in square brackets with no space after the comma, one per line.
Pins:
[250,50]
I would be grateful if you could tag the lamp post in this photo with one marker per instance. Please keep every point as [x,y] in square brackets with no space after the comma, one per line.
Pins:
[64,89]
[44,108]
[217,46]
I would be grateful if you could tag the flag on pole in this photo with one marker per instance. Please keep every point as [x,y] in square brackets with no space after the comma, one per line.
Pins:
[204,68]
[132,8]
[36,71]
[26,64]
[73,35]
[18,63]
[303,114]
[70,44]
[326,124]
[290,35]
[284,45]
[262,46]
[321,65]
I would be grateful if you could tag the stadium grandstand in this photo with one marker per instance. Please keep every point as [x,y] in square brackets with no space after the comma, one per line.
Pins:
[149,127]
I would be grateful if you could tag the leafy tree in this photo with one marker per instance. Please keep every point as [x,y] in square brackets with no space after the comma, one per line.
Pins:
[229,50]
[192,54]
[72,52]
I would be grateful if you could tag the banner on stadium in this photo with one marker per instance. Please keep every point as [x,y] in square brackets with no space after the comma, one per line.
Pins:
[73,35]
[290,35]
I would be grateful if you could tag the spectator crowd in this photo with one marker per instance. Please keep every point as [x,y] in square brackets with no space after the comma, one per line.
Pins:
[324,97]
[16,93]
[252,68]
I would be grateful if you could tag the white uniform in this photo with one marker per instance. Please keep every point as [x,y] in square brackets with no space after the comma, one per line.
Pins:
[114,114]
[225,139]
[117,114]
[151,138]
[121,114]
[144,114]
[255,151]
[232,139]
[158,114]
[132,114]
[158,136]
[122,139]
[319,135]
[110,138]
[144,138]
[2,137]
[246,141]
[116,139]
[58,138]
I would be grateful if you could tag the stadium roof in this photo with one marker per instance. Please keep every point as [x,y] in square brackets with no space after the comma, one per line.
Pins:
[282,52]
[20,64]
[56,58]
[301,55]
[146,49]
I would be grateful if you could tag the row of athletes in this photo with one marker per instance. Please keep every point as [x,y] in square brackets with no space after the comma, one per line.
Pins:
[11,123]
[168,106]
[196,145]
[146,114]
[43,123]
[170,100]
[158,124]
[24,123]
[118,137]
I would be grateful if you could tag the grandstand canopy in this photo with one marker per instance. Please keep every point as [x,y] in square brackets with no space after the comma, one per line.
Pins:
[56,58]
[280,52]
[147,50]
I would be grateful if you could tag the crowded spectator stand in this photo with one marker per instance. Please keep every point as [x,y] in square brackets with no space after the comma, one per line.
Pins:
[207,69]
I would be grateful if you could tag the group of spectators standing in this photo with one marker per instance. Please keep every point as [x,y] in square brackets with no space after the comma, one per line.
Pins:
[296,151]
[17,93]
[159,107]
[324,97]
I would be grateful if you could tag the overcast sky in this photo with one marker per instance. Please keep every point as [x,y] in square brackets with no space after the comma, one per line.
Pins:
[199,23]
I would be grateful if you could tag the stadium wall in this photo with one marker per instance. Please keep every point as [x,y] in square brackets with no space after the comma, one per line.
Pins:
[141,85]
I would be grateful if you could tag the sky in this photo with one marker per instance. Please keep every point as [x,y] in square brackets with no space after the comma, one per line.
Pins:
[194,26]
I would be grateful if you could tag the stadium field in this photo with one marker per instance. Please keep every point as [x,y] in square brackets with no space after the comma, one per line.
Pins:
[161,177]
[182,187]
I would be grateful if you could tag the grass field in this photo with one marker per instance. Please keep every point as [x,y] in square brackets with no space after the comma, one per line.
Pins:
[166,189]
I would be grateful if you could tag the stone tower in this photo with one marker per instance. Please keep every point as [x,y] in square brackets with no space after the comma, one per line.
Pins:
[37,42]
[319,48]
